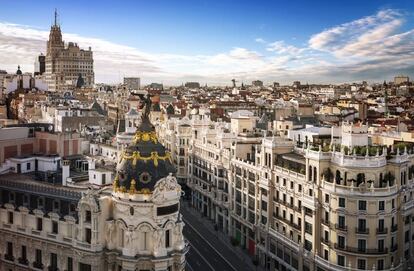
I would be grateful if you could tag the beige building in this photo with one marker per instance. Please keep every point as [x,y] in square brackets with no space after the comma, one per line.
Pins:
[297,206]
[66,64]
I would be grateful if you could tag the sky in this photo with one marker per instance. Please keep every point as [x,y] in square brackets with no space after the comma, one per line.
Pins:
[173,42]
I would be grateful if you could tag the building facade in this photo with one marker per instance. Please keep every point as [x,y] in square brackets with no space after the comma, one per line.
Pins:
[66,64]
[129,223]
[344,205]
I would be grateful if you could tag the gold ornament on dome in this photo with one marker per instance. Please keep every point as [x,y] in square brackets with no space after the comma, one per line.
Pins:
[145,136]
[116,183]
[135,156]
[132,189]
[145,191]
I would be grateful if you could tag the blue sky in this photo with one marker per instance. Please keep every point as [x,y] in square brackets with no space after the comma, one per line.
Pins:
[214,41]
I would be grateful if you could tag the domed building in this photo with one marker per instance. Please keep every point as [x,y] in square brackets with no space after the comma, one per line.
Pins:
[131,223]
[146,225]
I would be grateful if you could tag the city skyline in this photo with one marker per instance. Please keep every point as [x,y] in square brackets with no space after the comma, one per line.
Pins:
[374,43]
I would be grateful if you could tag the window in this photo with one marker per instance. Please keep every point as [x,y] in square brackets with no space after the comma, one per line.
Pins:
[28,166]
[381,225]
[12,197]
[341,260]
[381,245]
[381,205]
[10,249]
[167,238]
[341,241]
[362,205]
[362,245]
[38,256]
[70,264]
[39,224]
[88,235]
[362,225]
[341,202]
[341,221]
[88,216]
[55,227]
[361,264]
[40,203]
[53,261]
[308,245]
[393,203]
[10,217]
[23,256]
[308,228]
[84,267]
[326,198]
[56,205]
[380,265]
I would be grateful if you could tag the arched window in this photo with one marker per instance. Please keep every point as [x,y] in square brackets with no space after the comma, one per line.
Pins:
[360,178]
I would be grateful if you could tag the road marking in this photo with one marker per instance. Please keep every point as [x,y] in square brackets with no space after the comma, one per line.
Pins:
[202,257]
[202,237]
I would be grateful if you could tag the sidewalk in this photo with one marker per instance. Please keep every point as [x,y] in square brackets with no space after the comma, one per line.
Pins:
[218,239]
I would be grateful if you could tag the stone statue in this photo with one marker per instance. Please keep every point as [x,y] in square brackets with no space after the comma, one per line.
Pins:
[157,239]
[178,230]
[129,234]
[147,105]
[110,232]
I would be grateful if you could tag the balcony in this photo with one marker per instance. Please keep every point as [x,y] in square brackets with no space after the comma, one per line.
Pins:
[382,230]
[23,261]
[359,250]
[326,242]
[394,228]
[326,223]
[9,257]
[394,248]
[341,227]
[38,265]
[362,231]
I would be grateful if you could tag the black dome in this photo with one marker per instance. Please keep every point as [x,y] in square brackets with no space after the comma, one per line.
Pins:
[143,163]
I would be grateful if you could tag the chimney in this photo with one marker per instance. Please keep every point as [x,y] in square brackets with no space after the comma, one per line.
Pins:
[91,163]
[65,171]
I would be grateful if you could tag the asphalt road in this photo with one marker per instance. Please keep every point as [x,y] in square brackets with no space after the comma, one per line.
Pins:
[207,251]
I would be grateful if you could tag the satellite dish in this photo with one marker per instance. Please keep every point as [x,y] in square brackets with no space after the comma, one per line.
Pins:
[50,128]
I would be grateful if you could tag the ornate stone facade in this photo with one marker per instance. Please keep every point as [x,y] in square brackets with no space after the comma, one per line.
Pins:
[65,65]
[133,225]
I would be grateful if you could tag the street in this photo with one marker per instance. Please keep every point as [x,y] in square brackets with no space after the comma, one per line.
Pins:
[207,250]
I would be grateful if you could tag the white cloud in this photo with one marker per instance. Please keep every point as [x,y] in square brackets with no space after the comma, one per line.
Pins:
[260,40]
[356,38]
[280,47]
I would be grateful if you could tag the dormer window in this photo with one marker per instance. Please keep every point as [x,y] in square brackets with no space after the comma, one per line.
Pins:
[56,206]
[40,203]
[25,200]
[12,197]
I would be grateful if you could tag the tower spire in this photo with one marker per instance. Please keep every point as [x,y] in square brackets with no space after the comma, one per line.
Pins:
[55,16]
